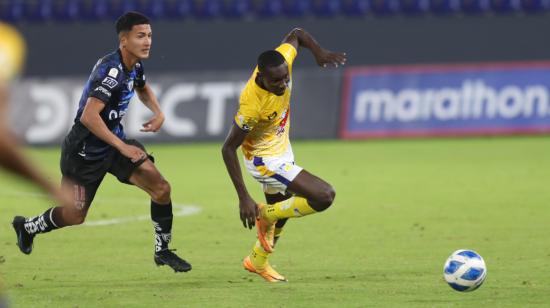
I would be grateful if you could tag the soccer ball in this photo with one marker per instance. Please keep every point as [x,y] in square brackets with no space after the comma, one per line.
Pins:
[465,270]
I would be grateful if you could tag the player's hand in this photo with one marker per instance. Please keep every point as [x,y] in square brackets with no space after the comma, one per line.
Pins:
[134,153]
[154,124]
[327,58]
[249,211]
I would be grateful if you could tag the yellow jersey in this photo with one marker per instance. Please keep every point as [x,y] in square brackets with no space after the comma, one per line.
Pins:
[265,115]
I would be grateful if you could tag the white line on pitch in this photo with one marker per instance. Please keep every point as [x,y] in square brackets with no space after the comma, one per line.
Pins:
[180,210]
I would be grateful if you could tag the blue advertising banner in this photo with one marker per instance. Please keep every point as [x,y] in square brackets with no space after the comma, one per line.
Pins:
[442,100]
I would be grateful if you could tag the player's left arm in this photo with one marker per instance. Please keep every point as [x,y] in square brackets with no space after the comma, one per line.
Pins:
[149,99]
[298,37]
[14,160]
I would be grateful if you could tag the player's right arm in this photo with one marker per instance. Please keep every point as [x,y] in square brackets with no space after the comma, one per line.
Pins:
[247,206]
[299,37]
[91,118]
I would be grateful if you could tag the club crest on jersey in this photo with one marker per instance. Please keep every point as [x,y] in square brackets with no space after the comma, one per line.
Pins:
[131,85]
[109,82]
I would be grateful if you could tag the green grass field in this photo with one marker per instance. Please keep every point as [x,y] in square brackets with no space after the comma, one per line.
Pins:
[401,208]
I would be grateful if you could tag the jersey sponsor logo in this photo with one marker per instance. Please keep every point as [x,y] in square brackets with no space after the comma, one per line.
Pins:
[284,117]
[116,114]
[272,116]
[103,90]
[113,72]
[109,82]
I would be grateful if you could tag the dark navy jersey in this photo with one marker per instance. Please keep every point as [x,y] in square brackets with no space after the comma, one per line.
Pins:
[113,84]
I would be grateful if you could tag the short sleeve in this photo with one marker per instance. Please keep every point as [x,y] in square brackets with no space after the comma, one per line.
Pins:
[140,76]
[289,53]
[248,114]
[104,82]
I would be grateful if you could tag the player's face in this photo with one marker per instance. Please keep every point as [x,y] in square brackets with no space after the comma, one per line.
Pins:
[138,41]
[276,79]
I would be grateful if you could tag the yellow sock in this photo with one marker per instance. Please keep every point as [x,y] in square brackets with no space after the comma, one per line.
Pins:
[290,208]
[258,256]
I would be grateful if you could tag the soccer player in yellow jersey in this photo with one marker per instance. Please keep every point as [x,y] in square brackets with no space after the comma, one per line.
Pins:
[261,128]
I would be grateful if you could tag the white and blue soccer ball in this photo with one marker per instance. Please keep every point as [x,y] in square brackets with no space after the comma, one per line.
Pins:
[465,270]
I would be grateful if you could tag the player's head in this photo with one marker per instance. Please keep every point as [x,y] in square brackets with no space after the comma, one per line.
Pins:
[134,34]
[273,72]
[12,53]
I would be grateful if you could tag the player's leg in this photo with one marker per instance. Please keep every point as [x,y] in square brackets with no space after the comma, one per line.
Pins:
[257,261]
[312,195]
[149,179]
[83,177]
[145,175]
[56,217]
[272,199]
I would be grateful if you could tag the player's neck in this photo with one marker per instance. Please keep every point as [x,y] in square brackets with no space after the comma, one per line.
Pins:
[128,59]
[259,82]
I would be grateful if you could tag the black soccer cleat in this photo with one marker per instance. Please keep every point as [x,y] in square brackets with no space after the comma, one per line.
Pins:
[167,257]
[24,239]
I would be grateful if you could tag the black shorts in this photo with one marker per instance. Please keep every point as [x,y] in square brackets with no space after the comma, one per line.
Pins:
[87,175]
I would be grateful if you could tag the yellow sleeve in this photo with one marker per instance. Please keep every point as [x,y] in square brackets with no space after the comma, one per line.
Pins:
[249,114]
[289,52]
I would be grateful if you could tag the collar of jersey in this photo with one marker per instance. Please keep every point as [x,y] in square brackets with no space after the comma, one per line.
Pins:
[122,61]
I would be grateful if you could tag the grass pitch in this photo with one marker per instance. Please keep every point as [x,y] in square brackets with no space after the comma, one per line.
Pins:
[401,208]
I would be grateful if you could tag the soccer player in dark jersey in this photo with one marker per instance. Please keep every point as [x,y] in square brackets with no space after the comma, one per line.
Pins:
[97,145]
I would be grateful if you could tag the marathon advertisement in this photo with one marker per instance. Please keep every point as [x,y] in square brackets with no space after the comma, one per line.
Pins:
[446,100]
[197,106]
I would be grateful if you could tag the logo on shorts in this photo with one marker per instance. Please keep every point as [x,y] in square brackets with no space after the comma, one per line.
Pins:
[287,167]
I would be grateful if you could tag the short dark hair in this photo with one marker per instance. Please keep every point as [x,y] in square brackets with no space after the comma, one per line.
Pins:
[270,58]
[130,19]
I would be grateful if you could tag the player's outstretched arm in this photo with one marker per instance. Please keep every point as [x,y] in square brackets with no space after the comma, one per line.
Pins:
[298,37]
[247,206]
[93,122]
[13,159]
[149,99]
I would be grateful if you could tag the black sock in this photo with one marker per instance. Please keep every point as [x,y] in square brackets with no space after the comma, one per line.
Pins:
[161,214]
[41,223]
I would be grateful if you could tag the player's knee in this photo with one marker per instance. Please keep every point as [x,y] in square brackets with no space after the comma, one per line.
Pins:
[326,198]
[74,218]
[162,192]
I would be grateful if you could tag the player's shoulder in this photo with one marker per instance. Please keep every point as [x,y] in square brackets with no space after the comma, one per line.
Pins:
[288,51]
[109,65]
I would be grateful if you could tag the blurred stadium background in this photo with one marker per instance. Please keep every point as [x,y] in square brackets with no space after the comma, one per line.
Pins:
[416,68]
[203,51]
